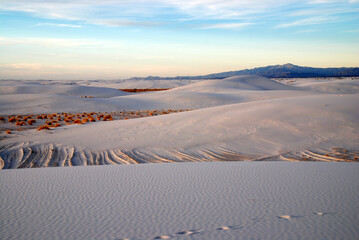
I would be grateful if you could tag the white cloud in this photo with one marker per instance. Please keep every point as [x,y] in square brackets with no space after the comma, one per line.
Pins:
[236,26]
[305,22]
[62,42]
[59,25]
[147,13]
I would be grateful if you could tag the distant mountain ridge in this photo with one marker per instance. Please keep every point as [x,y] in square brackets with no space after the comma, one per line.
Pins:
[277,71]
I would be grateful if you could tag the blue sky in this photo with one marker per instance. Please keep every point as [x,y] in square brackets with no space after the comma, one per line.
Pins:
[112,39]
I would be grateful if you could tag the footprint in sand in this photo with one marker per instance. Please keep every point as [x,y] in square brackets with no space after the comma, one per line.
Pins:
[224,228]
[287,217]
[189,232]
[162,237]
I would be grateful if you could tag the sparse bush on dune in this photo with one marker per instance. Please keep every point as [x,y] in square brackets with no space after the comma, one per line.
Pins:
[31,121]
[100,116]
[12,119]
[8,132]
[2,119]
[85,120]
[107,118]
[77,121]
[43,127]
[57,125]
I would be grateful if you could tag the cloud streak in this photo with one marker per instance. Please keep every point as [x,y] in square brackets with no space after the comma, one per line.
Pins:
[305,22]
[164,13]
[235,26]
[58,42]
[59,25]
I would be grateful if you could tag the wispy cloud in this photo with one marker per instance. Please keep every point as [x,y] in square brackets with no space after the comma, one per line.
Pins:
[235,26]
[62,42]
[153,13]
[304,22]
[59,25]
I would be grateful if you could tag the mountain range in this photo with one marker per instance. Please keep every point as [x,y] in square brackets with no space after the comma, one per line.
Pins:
[277,71]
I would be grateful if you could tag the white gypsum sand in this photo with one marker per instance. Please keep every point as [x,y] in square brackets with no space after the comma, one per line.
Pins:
[239,118]
[227,200]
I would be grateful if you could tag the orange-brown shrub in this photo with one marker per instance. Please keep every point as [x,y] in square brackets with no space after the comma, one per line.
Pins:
[107,118]
[8,132]
[85,120]
[77,121]
[31,121]
[57,125]
[2,119]
[12,119]
[43,127]
[92,120]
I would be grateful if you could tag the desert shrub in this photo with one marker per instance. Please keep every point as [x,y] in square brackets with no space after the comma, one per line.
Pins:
[12,119]
[57,125]
[8,132]
[77,121]
[31,121]
[107,118]
[85,120]
[2,119]
[43,127]
[92,120]
[49,123]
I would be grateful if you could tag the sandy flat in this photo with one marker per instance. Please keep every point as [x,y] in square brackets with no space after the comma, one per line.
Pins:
[229,200]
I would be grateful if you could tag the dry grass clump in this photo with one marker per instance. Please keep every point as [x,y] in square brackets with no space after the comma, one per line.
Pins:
[26,118]
[100,116]
[2,119]
[31,121]
[43,127]
[8,132]
[12,119]
[107,118]
[57,125]
[20,123]
[135,90]
[77,121]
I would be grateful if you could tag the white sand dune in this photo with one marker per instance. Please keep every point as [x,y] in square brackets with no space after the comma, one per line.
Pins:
[267,121]
[233,200]
[235,119]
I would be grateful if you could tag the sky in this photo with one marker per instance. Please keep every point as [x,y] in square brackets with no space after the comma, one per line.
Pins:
[117,39]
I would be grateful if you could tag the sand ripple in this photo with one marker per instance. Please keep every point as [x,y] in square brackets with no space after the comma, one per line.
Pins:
[25,155]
